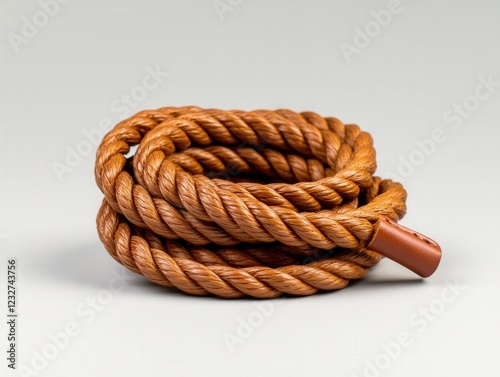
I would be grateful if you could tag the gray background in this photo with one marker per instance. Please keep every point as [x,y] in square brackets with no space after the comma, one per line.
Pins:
[261,54]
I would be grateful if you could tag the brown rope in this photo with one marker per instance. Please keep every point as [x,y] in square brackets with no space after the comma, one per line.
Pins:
[234,203]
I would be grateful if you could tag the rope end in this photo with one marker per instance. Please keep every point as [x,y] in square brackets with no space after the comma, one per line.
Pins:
[413,250]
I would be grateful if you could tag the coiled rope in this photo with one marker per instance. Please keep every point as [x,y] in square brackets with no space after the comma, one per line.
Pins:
[234,203]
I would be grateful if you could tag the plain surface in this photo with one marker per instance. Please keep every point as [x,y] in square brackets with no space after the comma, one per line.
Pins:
[262,54]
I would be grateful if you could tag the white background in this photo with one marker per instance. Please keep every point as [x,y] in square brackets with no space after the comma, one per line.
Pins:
[63,80]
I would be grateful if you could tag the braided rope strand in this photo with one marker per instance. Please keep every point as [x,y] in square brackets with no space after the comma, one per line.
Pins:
[234,203]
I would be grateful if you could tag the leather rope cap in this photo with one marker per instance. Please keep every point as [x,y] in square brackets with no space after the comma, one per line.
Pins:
[413,250]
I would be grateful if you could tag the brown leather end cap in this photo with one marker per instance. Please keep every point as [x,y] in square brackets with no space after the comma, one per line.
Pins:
[413,250]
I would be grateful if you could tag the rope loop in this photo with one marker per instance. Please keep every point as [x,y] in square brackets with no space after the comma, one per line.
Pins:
[234,203]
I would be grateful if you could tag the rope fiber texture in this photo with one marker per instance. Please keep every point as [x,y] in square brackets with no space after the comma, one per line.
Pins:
[235,203]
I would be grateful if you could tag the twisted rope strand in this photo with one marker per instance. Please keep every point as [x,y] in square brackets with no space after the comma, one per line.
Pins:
[234,203]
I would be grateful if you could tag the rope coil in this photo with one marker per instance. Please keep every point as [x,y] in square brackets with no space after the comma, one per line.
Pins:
[234,203]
